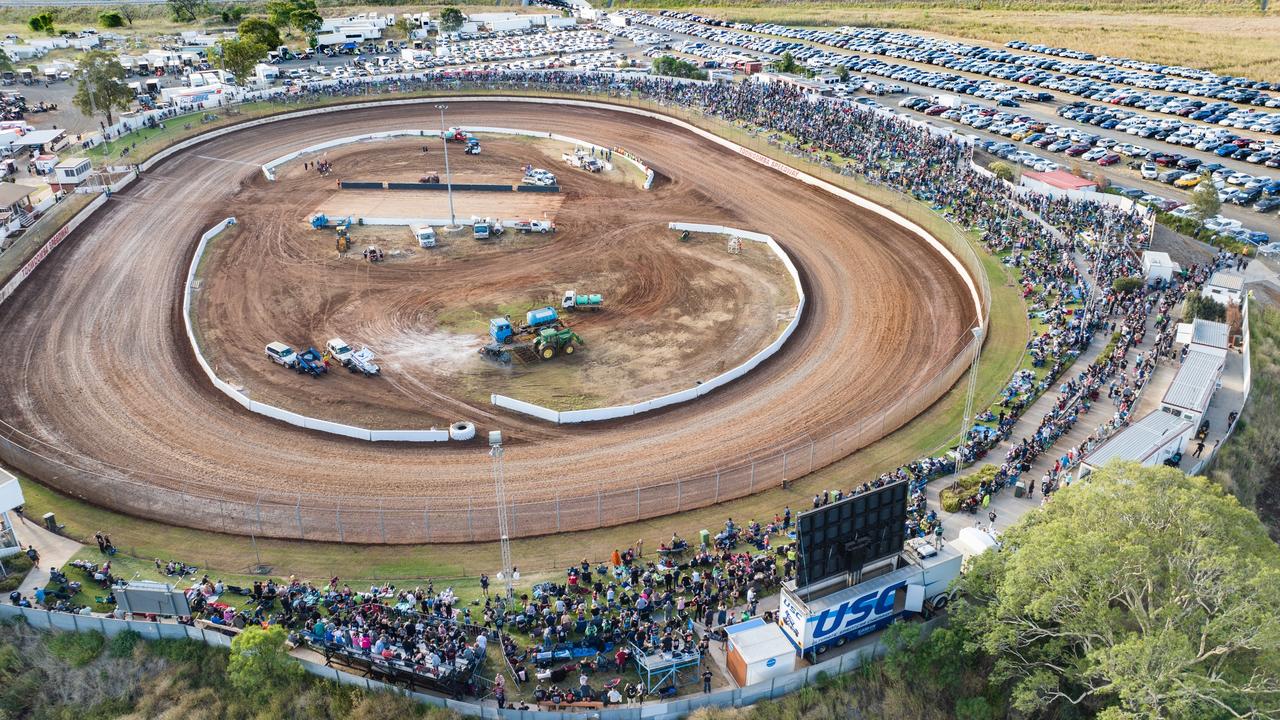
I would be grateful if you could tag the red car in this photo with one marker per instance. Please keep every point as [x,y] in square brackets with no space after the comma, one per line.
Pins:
[1077,150]
[1111,159]
[936,110]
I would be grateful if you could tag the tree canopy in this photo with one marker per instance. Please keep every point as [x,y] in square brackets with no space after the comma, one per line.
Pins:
[101,87]
[450,19]
[259,31]
[259,666]
[675,67]
[1136,593]
[299,14]
[1205,201]
[240,56]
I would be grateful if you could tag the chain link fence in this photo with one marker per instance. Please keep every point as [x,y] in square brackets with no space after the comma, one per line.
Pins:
[455,519]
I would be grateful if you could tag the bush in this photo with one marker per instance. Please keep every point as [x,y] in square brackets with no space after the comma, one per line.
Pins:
[1127,284]
[17,566]
[1196,305]
[965,486]
[111,19]
[122,645]
[77,649]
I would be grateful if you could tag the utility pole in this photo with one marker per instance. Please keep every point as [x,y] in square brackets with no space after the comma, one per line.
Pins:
[500,494]
[448,179]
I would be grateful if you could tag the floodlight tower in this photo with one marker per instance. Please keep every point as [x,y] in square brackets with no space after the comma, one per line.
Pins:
[500,494]
[973,387]
[448,177]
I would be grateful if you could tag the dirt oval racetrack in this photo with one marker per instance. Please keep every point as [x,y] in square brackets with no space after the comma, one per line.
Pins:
[103,399]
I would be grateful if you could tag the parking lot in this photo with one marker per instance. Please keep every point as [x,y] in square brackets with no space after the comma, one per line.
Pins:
[1112,140]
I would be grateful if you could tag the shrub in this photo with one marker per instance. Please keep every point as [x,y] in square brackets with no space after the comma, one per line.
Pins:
[1127,284]
[122,645]
[77,649]
[17,566]
[965,486]
[111,19]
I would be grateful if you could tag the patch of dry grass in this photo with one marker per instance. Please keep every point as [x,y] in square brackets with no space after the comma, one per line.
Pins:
[1225,36]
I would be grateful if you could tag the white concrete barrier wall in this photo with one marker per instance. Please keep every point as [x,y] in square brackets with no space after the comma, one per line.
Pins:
[272,411]
[47,249]
[269,168]
[526,408]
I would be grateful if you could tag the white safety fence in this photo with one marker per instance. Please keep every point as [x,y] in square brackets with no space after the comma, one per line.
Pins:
[702,388]
[671,710]
[271,411]
[25,271]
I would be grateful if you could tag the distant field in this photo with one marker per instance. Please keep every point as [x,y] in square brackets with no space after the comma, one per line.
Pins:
[1225,36]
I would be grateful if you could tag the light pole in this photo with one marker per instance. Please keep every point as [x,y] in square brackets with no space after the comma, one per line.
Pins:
[500,493]
[973,386]
[448,179]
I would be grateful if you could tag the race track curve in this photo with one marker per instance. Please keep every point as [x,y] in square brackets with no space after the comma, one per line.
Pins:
[102,398]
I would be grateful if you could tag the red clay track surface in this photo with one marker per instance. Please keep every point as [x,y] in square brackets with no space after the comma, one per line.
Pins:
[103,399]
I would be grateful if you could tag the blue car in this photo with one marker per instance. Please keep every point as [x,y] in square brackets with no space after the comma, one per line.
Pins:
[1226,150]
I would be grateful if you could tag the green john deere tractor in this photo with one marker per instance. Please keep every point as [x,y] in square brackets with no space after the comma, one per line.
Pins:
[552,340]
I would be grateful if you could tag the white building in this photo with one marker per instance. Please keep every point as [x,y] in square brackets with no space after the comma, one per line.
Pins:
[10,499]
[1158,266]
[1225,287]
[1149,441]
[1192,388]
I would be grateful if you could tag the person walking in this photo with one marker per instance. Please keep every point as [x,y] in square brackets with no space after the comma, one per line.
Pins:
[706,679]
[1199,448]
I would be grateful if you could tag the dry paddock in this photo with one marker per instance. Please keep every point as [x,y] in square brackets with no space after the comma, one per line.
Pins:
[102,398]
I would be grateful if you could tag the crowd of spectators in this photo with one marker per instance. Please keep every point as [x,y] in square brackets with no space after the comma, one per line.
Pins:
[1066,254]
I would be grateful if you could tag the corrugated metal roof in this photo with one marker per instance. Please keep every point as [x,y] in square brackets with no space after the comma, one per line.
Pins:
[1208,332]
[1195,382]
[1227,280]
[1141,439]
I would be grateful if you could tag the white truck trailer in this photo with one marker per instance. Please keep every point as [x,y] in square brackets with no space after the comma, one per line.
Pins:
[832,612]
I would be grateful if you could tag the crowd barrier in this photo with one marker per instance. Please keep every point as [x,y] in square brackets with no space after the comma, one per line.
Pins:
[702,388]
[669,710]
[25,271]
[272,411]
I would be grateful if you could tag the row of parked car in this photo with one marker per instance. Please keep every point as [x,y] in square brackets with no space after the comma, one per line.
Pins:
[1183,172]
[1093,81]
[524,46]
[1170,71]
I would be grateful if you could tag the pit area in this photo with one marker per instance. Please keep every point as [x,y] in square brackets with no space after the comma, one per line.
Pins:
[678,309]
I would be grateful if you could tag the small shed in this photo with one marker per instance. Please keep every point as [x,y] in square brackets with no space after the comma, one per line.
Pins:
[71,172]
[1149,441]
[1225,287]
[758,651]
[45,163]
[1158,266]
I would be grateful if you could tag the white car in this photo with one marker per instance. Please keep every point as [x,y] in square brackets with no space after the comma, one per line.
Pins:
[340,350]
[282,354]
[1217,223]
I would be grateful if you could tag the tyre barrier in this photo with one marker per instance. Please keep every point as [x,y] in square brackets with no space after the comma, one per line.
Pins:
[462,431]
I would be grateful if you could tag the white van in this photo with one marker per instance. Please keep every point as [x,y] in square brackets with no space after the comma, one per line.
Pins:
[425,235]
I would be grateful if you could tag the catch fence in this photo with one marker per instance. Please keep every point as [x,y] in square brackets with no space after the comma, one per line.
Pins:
[210,504]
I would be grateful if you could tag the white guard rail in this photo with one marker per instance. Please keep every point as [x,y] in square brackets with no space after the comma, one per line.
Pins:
[272,411]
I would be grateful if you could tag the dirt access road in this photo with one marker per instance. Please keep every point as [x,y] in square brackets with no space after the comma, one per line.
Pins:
[103,399]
